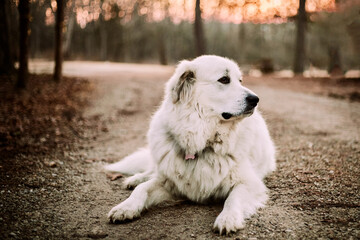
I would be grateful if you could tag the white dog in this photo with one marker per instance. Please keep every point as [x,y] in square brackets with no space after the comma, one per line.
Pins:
[206,142]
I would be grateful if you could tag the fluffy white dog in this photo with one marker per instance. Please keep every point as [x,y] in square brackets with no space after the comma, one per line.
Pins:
[207,141]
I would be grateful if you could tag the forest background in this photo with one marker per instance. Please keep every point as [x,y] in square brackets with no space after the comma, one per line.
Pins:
[163,32]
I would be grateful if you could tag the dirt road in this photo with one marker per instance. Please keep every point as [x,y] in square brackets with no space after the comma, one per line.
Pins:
[315,192]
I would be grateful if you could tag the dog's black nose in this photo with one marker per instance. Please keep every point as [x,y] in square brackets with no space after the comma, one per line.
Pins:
[252,100]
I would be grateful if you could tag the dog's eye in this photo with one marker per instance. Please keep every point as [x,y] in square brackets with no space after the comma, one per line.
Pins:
[224,80]
[240,80]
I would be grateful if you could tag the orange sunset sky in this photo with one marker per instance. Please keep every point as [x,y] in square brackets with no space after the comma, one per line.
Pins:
[235,11]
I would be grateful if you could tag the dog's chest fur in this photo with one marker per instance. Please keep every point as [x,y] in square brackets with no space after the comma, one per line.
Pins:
[198,179]
[203,177]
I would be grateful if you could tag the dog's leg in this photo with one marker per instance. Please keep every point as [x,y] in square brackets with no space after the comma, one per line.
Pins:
[144,195]
[133,181]
[241,203]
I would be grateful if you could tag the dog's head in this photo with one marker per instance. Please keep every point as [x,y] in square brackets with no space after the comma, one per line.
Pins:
[212,84]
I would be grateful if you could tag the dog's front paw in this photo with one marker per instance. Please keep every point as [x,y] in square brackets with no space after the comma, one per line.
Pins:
[228,222]
[123,212]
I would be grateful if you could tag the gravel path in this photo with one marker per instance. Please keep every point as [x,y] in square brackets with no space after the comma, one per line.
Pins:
[314,194]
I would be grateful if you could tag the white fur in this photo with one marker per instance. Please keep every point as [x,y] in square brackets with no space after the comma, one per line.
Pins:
[232,156]
[132,164]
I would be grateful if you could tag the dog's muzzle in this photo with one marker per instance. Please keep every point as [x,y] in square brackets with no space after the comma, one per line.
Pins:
[251,102]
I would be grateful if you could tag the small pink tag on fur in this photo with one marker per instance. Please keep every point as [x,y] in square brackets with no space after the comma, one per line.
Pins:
[189,156]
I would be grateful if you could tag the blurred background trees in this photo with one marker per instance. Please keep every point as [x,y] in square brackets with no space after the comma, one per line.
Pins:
[199,32]
[59,27]
[300,52]
[165,31]
[24,21]
[6,56]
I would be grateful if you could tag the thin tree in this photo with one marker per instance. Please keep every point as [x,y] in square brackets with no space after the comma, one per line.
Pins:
[6,57]
[300,38]
[334,67]
[199,31]
[161,44]
[24,19]
[58,40]
[103,34]
[69,30]
[242,42]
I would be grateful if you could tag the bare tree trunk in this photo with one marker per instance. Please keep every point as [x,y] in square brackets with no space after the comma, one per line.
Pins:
[69,31]
[120,45]
[6,58]
[103,42]
[24,20]
[103,35]
[334,61]
[162,51]
[242,34]
[161,44]
[353,30]
[89,46]
[300,39]
[199,32]
[58,40]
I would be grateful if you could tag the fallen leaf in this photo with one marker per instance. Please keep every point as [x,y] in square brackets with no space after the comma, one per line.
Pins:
[50,164]
[114,176]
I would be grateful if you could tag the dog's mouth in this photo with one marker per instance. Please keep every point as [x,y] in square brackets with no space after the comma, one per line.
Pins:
[246,113]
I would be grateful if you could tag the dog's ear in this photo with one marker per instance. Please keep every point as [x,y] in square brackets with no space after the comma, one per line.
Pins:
[182,89]
[185,79]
